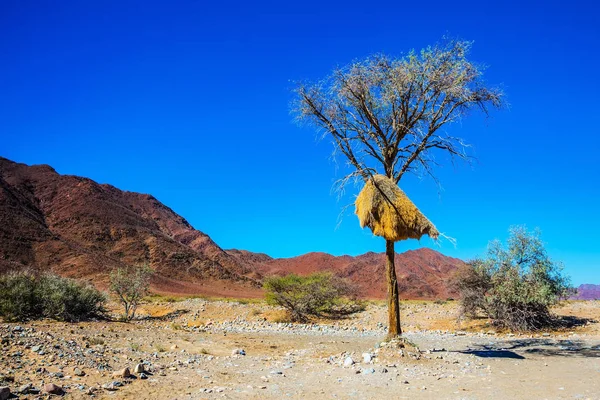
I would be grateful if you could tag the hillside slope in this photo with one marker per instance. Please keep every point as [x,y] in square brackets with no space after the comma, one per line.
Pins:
[79,228]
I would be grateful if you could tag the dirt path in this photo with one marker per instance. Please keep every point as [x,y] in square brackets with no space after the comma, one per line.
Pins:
[189,356]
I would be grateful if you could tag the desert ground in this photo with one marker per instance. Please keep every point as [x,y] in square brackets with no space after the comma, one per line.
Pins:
[213,349]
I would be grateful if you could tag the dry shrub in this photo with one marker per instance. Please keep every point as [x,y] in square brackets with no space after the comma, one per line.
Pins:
[316,295]
[514,286]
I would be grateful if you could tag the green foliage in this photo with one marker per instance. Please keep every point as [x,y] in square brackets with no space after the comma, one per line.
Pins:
[319,295]
[130,284]
[25,295]
[514,286]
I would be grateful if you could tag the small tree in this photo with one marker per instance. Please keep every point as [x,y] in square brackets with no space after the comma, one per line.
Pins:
[319,295]
[130,284]
[386,116]
[514,286]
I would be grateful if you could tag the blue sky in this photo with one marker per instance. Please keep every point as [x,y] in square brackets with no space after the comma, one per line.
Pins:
[189,101]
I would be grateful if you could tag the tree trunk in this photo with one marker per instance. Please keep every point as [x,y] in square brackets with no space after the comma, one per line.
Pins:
[392,288]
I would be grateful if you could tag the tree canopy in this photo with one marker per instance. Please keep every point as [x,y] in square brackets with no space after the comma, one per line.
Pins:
[384,114]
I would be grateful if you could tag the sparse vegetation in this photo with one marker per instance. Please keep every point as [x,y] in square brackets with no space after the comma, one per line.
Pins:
[26,295]
[514,286]
[130,284]
[316,295]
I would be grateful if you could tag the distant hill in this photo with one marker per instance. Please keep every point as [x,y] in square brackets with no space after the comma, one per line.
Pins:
[79,228]
[587,292]
[422,274]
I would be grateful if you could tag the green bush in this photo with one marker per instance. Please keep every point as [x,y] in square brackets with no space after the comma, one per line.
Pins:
[513,286]
[316,295]
[25,295]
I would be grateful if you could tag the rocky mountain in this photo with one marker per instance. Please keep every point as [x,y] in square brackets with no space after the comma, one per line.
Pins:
[422,274]
[79,228]
[587,292]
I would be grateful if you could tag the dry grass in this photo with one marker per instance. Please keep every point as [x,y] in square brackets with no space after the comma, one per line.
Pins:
[277,316]
[388,212]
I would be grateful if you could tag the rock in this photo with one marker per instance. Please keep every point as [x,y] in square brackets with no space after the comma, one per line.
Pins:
[4,392]
[78,372]
[139,368]
[115,385]
[91,390]
[124,373]
[348,362]
[27,388]
[18,329]
[36,349]
[240,352]
[367,358]
[368,371]
[53,389]
[143,375]
[174,347]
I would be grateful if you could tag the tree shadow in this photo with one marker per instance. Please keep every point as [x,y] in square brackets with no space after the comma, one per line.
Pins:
[542,347]
[166,317]
[571,321]
[490,353]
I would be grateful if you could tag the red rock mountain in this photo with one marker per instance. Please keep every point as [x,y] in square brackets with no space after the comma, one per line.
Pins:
[79,228]
[82,229]
[422,274]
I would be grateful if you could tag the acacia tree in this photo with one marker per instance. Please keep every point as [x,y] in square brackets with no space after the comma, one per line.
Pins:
[130,284]
[386,115]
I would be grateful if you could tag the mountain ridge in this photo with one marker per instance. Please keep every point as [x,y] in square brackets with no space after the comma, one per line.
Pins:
[79,228]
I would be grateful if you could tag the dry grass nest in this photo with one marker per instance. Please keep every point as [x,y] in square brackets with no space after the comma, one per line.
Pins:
[388,212]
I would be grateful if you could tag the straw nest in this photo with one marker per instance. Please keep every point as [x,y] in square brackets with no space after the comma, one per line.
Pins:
[382,206]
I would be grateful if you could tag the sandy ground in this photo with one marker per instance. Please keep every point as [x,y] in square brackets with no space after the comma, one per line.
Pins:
[187,347]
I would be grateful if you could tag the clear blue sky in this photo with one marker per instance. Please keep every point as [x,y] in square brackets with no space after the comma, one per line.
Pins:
[189,101]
